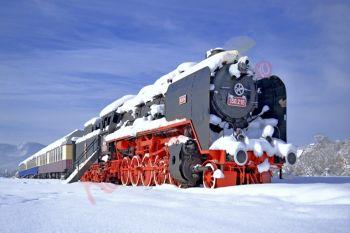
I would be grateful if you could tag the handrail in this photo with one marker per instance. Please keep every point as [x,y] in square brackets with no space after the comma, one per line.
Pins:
[86,150]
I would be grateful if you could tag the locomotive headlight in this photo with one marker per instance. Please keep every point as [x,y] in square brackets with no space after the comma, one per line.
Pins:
[291,158]
[240,158]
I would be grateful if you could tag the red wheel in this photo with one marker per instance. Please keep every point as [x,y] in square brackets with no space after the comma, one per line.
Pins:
[208,176]
[93,175]
[124,171]
[135,173]
[160,171]
[85,177]
[147,171]
[88,176]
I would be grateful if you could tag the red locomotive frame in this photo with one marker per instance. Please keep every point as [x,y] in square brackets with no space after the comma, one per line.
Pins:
[150,163]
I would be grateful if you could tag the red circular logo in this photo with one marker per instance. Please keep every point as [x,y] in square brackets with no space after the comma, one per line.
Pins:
[263,69]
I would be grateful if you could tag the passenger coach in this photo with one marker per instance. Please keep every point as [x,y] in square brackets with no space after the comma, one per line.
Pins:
[53,161]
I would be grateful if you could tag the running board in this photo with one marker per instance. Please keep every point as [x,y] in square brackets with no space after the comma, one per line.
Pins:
[82,168]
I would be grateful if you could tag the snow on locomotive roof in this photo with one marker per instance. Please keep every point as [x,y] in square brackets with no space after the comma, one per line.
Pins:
[115,104]
[92,121]
[53,145]
[160,87]
[212,62]
[140,125]
[88,136]
[183,70]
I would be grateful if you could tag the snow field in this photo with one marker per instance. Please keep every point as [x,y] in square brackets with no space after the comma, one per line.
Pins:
[297,205]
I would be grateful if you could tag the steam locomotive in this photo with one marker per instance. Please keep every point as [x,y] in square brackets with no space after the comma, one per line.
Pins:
[212,123]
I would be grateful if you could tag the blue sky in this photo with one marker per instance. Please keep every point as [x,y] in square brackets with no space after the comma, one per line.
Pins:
[61,62]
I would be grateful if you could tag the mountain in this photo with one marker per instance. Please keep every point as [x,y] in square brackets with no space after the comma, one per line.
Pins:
[11,155]
[324,157]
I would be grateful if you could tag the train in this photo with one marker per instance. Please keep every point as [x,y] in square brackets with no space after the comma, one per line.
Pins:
[213,124]
[53,161]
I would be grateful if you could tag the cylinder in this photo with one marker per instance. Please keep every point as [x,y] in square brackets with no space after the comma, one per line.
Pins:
[291,158]
[241,158]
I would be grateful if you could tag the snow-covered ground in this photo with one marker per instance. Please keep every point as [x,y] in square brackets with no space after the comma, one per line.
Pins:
[293,205]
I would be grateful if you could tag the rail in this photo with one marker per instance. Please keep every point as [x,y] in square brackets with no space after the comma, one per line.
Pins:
[93,146]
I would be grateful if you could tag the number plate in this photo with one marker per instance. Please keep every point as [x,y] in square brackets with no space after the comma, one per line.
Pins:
[236,101]
[182,99]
